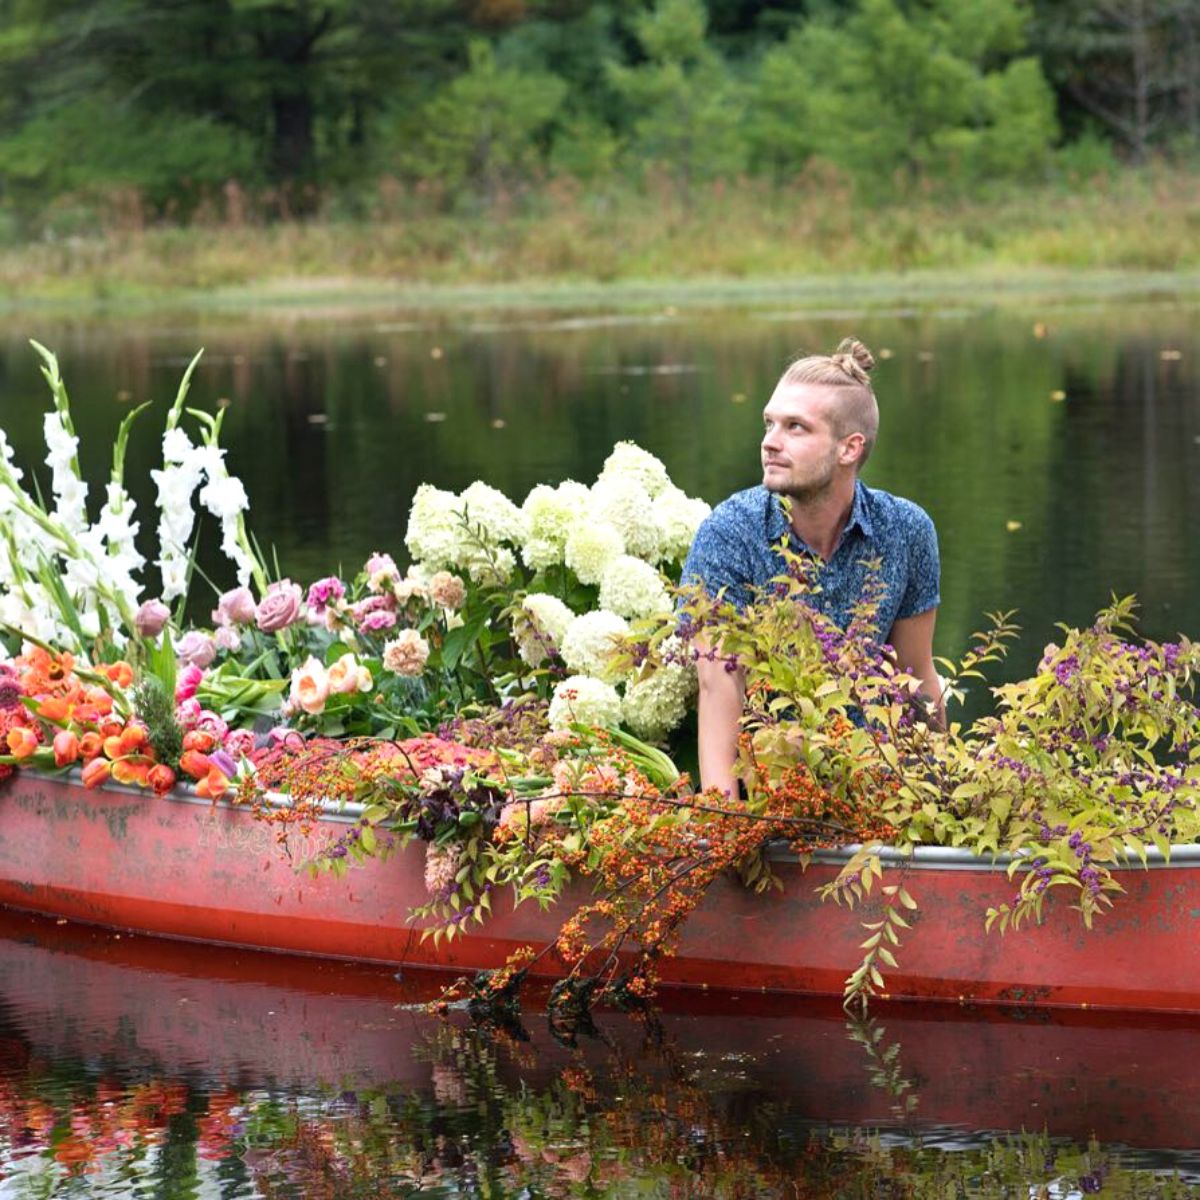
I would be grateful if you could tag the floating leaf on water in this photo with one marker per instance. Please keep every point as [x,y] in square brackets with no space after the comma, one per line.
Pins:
[1012,526]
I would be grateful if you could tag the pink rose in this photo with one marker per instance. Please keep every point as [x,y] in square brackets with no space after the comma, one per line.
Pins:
[211,722]
[227,638]
[187,681]
[195,649]
[280,607]
[187,713]
[239,742]
[151,618]
[235,607]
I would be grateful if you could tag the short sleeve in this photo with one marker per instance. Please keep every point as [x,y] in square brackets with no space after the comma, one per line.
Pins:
[923,589]
[715,562]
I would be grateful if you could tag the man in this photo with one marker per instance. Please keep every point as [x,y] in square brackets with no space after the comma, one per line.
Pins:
[819,427]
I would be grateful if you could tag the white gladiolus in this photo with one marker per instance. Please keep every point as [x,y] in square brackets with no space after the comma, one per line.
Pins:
[70,492]
[590,639]
[177,482]
[632,588]
[583,700]
[590,548]
[629,461]
[626,505]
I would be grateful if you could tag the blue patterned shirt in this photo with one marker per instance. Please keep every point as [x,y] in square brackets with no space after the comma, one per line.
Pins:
[736,548]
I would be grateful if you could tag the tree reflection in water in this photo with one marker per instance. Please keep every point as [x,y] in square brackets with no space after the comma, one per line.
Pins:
[634,1114]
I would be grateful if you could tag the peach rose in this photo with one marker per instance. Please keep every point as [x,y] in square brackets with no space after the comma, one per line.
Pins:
[310,687]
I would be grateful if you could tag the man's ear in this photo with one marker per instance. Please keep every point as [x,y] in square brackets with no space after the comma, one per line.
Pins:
[850,449]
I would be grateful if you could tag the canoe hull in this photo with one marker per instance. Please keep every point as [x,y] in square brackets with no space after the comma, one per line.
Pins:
[184,868]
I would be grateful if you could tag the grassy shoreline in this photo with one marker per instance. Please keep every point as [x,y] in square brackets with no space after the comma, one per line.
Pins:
[1133,234]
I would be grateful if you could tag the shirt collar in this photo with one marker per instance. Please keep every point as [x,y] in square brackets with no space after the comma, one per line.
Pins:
[778,525]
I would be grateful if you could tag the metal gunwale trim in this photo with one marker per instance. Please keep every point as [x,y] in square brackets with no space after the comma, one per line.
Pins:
[929,858]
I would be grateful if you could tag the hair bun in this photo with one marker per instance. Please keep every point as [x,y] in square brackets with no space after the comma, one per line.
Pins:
[854,358]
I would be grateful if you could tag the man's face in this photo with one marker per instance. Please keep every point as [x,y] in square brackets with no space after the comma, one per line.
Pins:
[799,450]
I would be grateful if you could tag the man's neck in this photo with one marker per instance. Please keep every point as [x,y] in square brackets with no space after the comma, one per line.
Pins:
[819,520]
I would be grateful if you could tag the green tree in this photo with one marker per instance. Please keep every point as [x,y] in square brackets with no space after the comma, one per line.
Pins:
[485,129]
[932,88]
[687,106]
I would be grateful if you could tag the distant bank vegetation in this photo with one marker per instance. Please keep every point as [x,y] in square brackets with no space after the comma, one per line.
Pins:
[596,139]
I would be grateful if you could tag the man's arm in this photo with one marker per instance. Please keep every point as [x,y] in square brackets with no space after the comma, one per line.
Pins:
[912,638]
[722,696]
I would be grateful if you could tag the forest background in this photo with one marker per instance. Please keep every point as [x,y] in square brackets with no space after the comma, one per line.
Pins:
[179,144]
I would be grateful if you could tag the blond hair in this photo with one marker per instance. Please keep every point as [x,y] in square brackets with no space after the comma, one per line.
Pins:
[848,370]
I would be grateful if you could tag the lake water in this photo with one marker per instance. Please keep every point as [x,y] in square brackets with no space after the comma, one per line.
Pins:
[132,1067]
[1057,449]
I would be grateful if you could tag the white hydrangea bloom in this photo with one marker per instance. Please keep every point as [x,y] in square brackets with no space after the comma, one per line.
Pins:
[552,513]
[491,511]
[678,516]
[629,461]
[627,506]
[590,639]
[590,548]
[632,588]
[493,566]
[583,700]
[550,618]
[435,531]
[655,705]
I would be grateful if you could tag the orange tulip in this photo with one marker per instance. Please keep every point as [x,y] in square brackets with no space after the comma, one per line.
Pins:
[213,786]
[161,778]
[133,738]
[112,745]
[66,748]
[199,739]
[96,772]
[90,744]
[195,764]
[131,771]
[102,701]
[121,673]
[55,708]
[112,728]
[22,741]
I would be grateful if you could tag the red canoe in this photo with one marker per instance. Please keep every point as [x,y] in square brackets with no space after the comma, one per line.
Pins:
[187,868]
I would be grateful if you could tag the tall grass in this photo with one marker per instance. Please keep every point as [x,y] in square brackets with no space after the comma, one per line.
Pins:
[563,233]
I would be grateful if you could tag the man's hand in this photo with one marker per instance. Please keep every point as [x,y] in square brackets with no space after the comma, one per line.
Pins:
[722,696]
[912,638]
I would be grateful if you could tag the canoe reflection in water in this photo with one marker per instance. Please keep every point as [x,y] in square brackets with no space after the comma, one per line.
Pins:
[195,1070]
